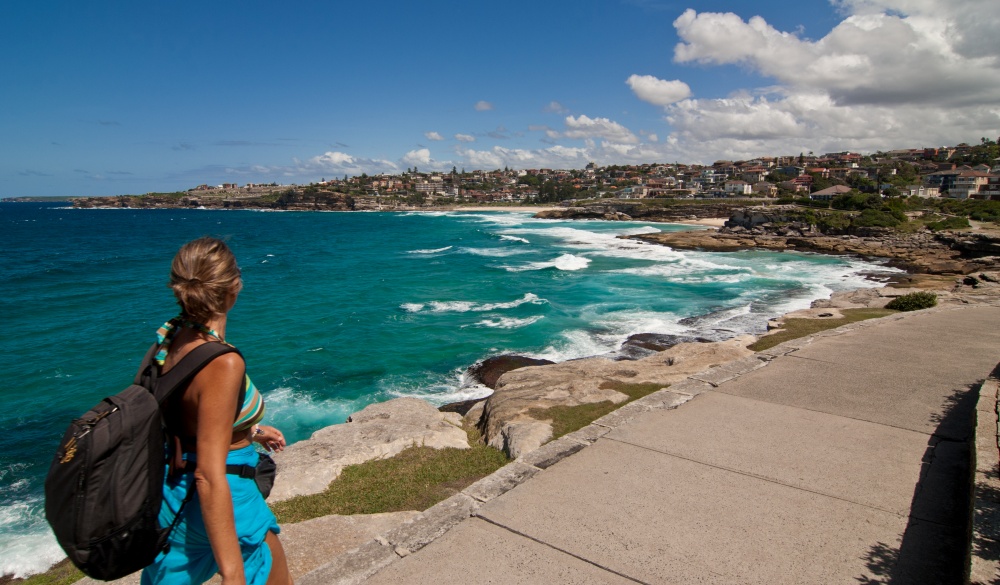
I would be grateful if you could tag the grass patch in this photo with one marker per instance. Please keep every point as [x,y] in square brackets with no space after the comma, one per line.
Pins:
[62,573]
[796,328]
[415,479]
[566,419]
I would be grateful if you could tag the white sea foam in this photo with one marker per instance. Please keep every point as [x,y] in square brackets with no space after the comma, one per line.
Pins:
[434,251]
[428,213]
[507,322]
[469,306]
[27,545]
[621,324]
[438,390]
[564,262]
[510,218]
[574,344]
[495,252]
[609,245]
[514,239]
[646,229]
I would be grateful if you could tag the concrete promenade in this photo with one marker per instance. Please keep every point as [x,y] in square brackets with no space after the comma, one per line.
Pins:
[844,458]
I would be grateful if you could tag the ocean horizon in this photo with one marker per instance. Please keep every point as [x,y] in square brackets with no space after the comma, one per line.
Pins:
[343,309]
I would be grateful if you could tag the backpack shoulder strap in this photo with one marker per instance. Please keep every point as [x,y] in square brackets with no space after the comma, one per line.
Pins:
[145,370]
[184,371]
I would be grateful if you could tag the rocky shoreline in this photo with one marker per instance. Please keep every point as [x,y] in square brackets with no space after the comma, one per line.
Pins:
[961,267]
[942,253]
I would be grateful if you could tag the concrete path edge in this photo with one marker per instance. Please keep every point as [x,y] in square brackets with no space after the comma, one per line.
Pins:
[356,565]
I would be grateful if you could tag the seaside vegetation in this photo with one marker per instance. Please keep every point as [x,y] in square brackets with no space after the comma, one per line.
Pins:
[62,573]
[796,328]
[913,301]
[414,479]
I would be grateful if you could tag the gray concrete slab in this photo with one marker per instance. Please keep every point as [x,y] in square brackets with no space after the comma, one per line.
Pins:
[902,400]
[662,519]
[479,552]
[854,460]
[915,373]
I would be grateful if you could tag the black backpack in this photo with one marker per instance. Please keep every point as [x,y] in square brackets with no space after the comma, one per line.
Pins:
[105,486]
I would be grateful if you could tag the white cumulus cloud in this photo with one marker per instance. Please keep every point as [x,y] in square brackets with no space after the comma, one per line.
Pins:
[658,91]
[885,52]
[421,156]
[465,138]
[890,74]
[433,136]
[584,127]
[483,106]
[333,159]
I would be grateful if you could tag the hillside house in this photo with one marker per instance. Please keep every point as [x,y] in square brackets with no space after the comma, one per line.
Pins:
[991,190]
[737,188]
[968,183]
[829,193]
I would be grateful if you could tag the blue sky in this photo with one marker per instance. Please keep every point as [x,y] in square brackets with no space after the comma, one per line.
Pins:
[128,97]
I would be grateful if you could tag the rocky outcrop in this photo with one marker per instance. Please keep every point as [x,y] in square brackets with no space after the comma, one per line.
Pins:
[921,252]
[870,298]
[378,431]
[488,371]
[290,200]
[643,345]
[972,245]
[506,417]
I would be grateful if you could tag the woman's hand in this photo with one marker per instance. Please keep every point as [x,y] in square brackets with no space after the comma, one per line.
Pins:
[269,437]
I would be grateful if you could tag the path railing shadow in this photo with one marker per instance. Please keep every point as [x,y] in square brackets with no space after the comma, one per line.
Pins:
[934,544]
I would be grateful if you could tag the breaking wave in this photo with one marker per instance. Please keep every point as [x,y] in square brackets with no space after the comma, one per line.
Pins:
[470,306]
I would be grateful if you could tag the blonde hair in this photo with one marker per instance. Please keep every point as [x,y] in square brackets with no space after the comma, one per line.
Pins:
[202,275]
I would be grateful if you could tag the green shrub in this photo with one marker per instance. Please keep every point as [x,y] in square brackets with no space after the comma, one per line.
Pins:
[833,222]
[855,201]
[913,301]
[875,218]
[949,223]
[807,202]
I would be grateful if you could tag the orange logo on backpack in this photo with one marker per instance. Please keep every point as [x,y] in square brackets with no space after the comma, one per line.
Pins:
[69,450]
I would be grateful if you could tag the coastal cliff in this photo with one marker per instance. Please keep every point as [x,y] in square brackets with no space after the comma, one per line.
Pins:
[289,200]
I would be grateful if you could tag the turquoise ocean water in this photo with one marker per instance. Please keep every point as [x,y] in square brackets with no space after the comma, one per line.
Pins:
[340,310]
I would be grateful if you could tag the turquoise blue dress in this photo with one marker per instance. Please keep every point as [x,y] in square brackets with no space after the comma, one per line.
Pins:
[189,559]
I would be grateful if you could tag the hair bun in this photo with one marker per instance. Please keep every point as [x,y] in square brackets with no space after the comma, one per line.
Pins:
[202,275]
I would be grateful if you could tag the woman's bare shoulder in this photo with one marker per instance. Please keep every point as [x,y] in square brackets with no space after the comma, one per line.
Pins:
[226,364]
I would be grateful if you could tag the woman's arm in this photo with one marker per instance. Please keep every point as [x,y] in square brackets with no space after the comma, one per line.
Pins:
[216,388]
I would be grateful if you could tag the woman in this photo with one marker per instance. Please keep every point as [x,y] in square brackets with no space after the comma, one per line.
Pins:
[226,527]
